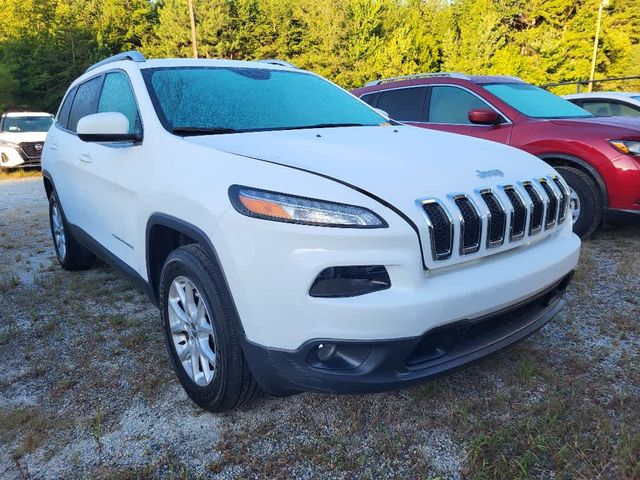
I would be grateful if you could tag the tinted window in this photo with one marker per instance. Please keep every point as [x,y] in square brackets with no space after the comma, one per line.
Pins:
[117,96]
[404,104]
[604,108]
[370,98]
[63,114]
[535,102]
[229,100]
[85,102]
[452,105]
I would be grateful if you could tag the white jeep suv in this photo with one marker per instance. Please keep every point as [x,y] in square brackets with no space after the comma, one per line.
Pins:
[22,136]
[291,236]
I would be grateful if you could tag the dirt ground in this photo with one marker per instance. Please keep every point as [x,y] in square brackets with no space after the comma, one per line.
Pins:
[86,389]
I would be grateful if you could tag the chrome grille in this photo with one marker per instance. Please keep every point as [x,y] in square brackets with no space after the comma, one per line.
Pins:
[467,224]
[441,229]
[497,219]
[535,217]
[564,199]
[552,205]
[470,225]
[519,214]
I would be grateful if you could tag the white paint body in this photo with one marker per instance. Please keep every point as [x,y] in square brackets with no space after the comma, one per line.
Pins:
[112,192]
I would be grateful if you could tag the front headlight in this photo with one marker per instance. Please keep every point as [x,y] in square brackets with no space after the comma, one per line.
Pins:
[281,207]
[626,146]
[4,143]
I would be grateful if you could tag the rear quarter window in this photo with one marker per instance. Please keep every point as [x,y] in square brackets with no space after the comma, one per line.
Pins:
[63,114]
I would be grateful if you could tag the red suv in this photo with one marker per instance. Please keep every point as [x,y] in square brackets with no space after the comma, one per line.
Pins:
[598,157]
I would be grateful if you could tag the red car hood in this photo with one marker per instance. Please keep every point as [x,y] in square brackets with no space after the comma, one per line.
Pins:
[607,126]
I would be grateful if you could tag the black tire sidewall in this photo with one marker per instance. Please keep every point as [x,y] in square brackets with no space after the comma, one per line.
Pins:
[180,263]
[53,199]
[589,202]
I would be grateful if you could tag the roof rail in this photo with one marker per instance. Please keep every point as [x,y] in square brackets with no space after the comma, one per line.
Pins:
[416,76]
[132,55]
[275,61]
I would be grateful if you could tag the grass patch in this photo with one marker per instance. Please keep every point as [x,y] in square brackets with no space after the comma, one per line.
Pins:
[18,173]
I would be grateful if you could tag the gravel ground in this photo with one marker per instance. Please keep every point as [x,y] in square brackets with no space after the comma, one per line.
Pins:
[86,389]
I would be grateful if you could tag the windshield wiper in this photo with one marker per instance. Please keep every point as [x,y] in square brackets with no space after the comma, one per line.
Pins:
[186,131]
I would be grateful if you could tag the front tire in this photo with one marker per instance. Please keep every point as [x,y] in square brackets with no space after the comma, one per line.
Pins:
[203,332]
[585,203]
[70,254]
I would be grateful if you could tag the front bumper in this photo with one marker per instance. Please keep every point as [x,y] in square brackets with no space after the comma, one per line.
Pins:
[16,158]
[372,366]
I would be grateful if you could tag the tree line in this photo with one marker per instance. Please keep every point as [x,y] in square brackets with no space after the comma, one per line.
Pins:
[45,44]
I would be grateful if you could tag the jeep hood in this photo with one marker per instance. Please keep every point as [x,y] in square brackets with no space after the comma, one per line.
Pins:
[399,164]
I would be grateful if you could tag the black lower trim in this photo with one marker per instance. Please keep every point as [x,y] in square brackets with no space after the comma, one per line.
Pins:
[88,242]
[619,215]
[373,366]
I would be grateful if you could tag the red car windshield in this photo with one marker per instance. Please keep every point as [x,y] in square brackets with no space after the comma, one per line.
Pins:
[535,102]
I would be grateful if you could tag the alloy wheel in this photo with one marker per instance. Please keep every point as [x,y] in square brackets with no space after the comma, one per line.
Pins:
[192,331]
[57,225]
[574,205]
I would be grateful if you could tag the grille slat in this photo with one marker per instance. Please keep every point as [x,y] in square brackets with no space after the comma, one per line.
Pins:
[519,215]
[564,200]
[471,226]
[535,223]
[497,221]
[552,205]
[441,230]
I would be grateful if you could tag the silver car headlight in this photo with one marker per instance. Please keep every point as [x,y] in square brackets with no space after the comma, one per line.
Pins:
[281,207]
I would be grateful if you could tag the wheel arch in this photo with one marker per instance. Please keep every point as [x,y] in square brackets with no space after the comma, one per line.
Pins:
[562,159]
[165,233]
[49,186]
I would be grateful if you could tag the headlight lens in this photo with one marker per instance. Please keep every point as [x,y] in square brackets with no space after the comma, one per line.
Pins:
[281,207]
[626,146]
[4,143]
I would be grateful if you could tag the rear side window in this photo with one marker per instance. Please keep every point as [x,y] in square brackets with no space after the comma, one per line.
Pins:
[404,104]
[65,108]
[452,105]
[117,96]
[603,108]
[85,102]
[370,98]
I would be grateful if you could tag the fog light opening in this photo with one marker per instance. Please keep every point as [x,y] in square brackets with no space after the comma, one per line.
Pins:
[350,281]
[326,351]
[5,159]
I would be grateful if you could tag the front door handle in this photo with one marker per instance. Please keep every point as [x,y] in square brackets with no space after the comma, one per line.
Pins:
[85,158]
[54,145]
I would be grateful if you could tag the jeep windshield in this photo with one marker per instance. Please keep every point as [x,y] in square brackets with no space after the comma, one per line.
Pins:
[535,102]
[21,124]
[222,100]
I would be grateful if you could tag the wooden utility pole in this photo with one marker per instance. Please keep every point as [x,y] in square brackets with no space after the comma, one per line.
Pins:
[603,3]
[194,37]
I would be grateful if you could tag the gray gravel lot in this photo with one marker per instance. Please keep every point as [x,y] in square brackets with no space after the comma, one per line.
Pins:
[86,389]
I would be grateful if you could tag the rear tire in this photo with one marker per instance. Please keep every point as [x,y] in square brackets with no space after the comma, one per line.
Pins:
[585,204]
[203,333]
[70,254]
